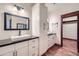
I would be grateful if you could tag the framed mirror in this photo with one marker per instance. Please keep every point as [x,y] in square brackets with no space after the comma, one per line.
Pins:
[15,22]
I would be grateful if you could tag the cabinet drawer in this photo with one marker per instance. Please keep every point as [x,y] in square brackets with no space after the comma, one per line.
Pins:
[33,52]
[34,41]
[22,44]
[33,47]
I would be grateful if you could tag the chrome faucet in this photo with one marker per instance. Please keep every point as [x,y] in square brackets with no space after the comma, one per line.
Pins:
[19,32]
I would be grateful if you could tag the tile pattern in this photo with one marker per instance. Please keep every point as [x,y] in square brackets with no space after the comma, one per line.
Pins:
[69,49]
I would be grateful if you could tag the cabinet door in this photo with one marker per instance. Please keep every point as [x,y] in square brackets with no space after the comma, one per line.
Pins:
[43,46]
[55,38]
[51,41]
[33,53]
[7,50]
[21,48]
[22,51]
[8,54]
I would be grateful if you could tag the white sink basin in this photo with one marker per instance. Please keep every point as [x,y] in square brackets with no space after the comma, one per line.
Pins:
[17,38]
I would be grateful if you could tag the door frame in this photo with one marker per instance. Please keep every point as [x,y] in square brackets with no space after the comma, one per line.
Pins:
[76,13]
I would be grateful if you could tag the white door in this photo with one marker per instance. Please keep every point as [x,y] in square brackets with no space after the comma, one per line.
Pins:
[43,40]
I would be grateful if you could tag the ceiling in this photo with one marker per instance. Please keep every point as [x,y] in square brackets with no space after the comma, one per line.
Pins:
[62,7]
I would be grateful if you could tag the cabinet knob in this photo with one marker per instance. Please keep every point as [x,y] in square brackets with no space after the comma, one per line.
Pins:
[33,41]
[33,47]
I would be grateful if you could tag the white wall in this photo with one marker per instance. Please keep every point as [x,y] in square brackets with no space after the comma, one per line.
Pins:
[55,18]
[52,22]
[55,11]
[11,9]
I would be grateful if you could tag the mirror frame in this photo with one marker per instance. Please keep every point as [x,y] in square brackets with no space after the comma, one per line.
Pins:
[5,19]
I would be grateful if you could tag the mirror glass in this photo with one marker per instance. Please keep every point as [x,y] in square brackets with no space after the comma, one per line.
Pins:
[15,22]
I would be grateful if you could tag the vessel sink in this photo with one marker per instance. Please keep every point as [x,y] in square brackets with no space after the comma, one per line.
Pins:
[17,38]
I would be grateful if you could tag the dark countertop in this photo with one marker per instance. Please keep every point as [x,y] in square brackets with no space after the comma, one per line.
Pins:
[51,34]
[7,42]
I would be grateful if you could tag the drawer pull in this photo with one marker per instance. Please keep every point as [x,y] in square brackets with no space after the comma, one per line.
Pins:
[33,47]
[33,41]
[15,53]
[33,54]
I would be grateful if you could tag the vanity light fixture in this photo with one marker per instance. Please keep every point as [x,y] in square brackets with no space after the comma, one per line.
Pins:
[18,7]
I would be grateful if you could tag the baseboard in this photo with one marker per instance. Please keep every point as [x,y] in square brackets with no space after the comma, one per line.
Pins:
[58,44]
[70,39]
[44,53]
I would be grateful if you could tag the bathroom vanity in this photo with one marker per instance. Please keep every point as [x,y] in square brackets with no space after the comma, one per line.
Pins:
[51,39]
[25,47]
[20,44]
[28,46]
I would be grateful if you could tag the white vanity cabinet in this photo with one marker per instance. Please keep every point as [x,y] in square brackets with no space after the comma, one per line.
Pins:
[21,49]
[7,50]
[51,40]
[33,47]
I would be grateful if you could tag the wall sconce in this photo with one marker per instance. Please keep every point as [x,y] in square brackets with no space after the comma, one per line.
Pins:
[18,7]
